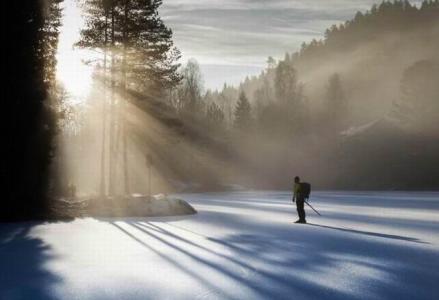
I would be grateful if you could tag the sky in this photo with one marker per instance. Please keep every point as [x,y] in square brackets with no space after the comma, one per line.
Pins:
[71,71]
[231,39]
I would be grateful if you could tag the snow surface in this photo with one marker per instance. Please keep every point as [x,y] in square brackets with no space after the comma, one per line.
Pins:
[240,245]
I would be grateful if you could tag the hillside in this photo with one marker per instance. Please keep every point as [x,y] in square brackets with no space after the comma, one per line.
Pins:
[369,52]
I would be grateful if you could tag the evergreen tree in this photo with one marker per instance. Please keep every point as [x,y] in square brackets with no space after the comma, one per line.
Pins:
[100,16]
[290,98]
[285,83]
[418,106]
[143,61]
[49,40]
[336,104]
[242,113]
[142,46]
[215,116]
[150,53]
[100,32]
[271,62]
[29,121]
[227,99]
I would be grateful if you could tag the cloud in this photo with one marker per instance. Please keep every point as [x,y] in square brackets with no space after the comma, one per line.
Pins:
[246,32]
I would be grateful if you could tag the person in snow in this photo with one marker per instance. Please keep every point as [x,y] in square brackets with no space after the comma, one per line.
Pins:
[299,198]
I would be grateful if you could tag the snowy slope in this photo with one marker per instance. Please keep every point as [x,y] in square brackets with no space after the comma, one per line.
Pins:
[240,245]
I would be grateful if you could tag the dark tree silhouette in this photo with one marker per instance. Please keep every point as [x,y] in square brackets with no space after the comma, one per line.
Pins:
[242,113]
[141,44]
[285,83]
[336,105]
[215,116]
[418,106]
[29,120]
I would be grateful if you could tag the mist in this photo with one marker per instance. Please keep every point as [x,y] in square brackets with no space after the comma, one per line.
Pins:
[355,109]
[360,131]
[343,112]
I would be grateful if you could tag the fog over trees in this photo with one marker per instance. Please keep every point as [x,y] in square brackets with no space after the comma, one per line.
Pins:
[356,110]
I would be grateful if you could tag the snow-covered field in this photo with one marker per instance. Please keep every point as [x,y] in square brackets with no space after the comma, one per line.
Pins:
[241,245]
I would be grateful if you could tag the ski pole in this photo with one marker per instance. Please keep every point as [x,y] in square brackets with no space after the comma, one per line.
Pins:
[312,208]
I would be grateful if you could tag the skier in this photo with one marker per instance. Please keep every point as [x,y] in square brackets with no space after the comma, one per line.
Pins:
[299,198]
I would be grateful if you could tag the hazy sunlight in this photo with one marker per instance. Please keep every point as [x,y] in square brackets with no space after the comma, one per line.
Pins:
[72,72]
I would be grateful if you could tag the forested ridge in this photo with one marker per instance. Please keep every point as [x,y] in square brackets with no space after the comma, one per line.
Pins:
[377,72]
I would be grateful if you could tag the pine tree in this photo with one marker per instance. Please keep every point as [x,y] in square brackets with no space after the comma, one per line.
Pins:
[150,53]
[215,115]
[418,106]
[242,113]
[271,62]
[32,38]
[141,43]
[214,118]
[285,83]
[290,98]
[49,40]
[143,61]
[100,34]
[336,104]
[227,96]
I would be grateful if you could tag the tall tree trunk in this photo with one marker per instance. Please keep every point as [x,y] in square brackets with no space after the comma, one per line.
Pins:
[123,104]
[113,134]
[104,113]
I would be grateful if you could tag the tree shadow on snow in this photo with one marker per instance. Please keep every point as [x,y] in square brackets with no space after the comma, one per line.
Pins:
[298,262]
[22,264]
[315,264]
[278,260]
[270,285]
[370,233]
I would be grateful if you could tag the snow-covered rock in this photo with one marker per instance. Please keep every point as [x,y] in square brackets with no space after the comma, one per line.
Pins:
[135,205]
